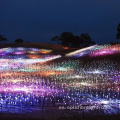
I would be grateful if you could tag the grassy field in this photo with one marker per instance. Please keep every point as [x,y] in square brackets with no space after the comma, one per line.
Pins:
[58,49]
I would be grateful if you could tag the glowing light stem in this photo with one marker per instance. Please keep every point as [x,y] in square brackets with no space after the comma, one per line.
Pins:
[81,50]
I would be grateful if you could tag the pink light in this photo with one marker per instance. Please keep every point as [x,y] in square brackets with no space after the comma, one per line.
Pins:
[27,89]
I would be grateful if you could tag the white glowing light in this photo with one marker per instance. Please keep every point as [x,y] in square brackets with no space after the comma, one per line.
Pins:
[104,102]
[75,76]
[96,72]
[28,61]
[86,84]
[81,50]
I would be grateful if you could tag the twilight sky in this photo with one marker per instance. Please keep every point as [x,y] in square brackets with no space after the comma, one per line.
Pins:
[40,20]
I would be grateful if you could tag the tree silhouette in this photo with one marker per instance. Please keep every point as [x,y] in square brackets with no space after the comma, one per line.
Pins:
[56,39]
[2,38]
[87,41]
[64,39]
[18,41]
[118,34]
[67,39]
[76,42]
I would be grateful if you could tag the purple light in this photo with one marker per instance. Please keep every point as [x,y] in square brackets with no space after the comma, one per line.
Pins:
[19,52]
[33,49]
[4,53]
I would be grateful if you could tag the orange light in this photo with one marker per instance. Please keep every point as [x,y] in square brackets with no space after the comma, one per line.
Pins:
[45,51]
[34,56]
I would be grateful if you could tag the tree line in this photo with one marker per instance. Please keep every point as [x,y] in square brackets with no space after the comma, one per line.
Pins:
[3,39]
[67,39]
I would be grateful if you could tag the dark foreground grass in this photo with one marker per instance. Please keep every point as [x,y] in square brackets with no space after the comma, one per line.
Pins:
[110,117]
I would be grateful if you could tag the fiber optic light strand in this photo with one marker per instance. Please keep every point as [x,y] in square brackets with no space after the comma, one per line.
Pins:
[81,50]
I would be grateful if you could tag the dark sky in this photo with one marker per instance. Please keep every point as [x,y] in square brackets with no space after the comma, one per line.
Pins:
[40,20]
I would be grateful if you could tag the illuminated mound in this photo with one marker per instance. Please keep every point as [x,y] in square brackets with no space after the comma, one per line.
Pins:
[96,50]
[23,53]
[29,78]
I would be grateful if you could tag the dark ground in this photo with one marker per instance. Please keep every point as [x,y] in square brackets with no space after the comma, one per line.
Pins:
[113,117]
